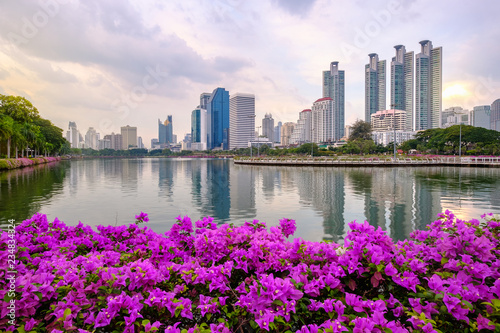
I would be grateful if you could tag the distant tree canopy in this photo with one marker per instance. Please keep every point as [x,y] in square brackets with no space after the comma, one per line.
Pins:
[22,128]
[360,130]
[474,140]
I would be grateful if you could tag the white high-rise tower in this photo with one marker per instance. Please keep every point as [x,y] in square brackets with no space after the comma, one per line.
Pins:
[241,120]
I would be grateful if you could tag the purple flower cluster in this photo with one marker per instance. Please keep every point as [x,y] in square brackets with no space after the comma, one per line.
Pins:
[249,278]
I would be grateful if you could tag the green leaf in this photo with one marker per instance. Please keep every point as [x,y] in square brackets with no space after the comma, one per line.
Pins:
[21,329]
[145,322]
[66,313]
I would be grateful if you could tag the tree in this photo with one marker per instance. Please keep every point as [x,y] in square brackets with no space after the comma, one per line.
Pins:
[18,108]
[360,130]
[6,130]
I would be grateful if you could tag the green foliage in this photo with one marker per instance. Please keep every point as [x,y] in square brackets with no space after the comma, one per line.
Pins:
[21,127]
[361,130]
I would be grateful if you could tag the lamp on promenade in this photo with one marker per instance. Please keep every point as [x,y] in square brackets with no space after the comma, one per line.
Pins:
[251,144]
[258,140]
[460,136]
[394,125]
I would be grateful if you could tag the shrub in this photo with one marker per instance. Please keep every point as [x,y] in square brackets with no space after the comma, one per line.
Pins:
[247,279]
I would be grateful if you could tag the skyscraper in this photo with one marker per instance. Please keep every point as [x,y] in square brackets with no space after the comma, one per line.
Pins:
[286,133]
[218,119]
[495,115]
[333,87]
[402,83]
[129,137]
[199,127]
[277,132]
[241,120]
[165,132]
[73,135]
[268,127]
[428,86]
[375,83]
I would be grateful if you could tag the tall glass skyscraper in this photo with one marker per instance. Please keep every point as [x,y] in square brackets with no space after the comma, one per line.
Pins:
[218,119]
[333,87]
[428,86]
[402,83]
[480,116]
[375,82]
[165,131]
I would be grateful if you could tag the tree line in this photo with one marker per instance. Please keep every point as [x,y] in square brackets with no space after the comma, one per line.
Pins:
[24,131]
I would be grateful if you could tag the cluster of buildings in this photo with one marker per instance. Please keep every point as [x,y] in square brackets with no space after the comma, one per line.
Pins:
[416,97]
[126,139]
[225,122]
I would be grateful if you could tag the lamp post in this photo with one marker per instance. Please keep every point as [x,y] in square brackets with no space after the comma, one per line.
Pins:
[312,143]
[394,126]
[258,140]
[460,136]
[251,144]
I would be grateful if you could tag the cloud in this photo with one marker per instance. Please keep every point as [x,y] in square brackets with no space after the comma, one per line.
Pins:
[3,74]
[296,7]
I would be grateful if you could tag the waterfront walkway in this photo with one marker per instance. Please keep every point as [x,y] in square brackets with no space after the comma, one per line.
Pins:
[491,162]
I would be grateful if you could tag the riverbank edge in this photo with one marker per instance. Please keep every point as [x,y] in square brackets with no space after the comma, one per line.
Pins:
[368,163]
[15,163]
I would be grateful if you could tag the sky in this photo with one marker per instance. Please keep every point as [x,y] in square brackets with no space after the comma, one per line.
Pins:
[107,64]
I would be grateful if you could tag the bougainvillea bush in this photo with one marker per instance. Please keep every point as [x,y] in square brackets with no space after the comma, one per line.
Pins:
[209,278]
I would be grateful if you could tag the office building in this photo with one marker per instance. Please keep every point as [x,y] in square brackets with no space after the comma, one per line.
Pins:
[375,82]
[455,115]
[495,115]
[73,135]
[241,120]
[334,88]
[402,79]
[129,137]
[204,98]
[428,86]
[218,120]
[165,132]
[268,126]
[387,120]
[480,116]
[104,144]
[199,128]
[140,144]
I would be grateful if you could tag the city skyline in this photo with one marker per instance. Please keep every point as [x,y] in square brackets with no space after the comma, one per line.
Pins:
[130,65]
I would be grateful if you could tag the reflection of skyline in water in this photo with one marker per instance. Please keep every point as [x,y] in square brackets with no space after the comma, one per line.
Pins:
[322,200]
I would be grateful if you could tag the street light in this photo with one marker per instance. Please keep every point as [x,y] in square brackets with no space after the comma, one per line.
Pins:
[251,144]
[258,140]
[460,136]
[394,126]
[312,143]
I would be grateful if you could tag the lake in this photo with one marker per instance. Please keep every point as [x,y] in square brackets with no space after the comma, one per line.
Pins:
[322,200]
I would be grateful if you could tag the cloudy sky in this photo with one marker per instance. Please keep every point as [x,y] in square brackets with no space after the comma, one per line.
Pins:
[110,63]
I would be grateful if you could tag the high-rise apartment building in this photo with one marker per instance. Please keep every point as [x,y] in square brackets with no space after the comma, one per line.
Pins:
[268,127]
[286,133]
[324,121]
[428,86]
[129,137]
[218,119]
[334,88]
[165,132]
[140,144]
[302,131]
[402,78]
[241,120]
[495,115]
[115,141]
[388,120]
[92,138]
[375,82]
[455,115]
[480,116]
